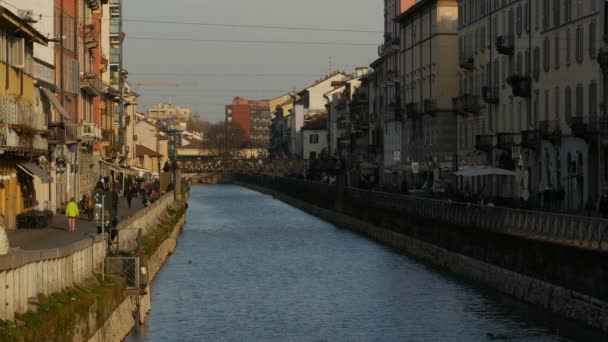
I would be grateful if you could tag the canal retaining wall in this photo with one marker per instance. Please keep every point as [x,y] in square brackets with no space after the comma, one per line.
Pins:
[484,257]
[26,274]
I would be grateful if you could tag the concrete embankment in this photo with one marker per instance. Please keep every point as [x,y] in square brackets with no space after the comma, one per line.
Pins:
[477,261]
[58,295]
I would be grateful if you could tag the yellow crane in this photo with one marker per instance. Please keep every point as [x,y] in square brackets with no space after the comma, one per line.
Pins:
[163,84]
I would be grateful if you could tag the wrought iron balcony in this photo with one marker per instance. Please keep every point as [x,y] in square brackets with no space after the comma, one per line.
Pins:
[467,63]
[71,133]
[413,110]
[23,130]
[507,140]
[530,139]
[505,45]
[394,111]
[484,142]
[90,37]
[90,84]
[490,95]
[56,135]
[430,106]
[521,85]
[550,130]
[467,104]
[602,58]
[588,127]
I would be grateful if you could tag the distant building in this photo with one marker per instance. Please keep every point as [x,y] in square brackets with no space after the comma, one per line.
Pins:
[254,117]
[166,111]
[314,134]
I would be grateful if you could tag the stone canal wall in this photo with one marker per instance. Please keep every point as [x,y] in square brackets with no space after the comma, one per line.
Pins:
[26,274]
[484,257]
[77,305]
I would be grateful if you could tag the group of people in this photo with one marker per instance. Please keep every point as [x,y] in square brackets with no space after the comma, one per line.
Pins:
[599,207]
[147,189]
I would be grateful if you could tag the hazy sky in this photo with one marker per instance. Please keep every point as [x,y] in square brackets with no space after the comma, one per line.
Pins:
[231,65]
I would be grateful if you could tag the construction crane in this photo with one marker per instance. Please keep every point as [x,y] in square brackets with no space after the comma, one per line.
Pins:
[163,84]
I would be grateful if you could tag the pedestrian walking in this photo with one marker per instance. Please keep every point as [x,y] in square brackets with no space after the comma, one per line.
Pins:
[129,197]
[71,211]
[90,203]
[115,199]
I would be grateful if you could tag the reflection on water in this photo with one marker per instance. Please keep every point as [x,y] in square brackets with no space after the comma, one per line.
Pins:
[264,271]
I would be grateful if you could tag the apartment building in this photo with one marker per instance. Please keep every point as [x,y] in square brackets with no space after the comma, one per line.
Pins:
[429,82]
[24,177]
[534,64]
[388,90]
[166,111]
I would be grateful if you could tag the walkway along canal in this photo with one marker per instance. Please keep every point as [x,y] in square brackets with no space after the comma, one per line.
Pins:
[251,268]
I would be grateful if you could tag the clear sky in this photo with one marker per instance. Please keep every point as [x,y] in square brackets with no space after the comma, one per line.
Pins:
[216,72]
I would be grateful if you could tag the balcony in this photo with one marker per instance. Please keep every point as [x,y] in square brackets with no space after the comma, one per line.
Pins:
[484,142]
[467,104]
[530,139]
[90,37]
[588,127]
[467,63]
[89,83]
[56,134]
[394,111]
[22,129]
[430,106]
[505,45]
[490,95]
[413,111]
[521,85]
[550,130]
[71,133]
[507,140]
[94,4]
[602,58]
[391,45]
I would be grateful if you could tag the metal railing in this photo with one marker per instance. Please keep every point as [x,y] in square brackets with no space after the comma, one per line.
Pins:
[582,231]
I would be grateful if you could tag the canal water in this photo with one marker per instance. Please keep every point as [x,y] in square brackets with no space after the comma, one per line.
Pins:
[264,271]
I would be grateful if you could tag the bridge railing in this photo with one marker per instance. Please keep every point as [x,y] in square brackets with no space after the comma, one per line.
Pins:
[587,232]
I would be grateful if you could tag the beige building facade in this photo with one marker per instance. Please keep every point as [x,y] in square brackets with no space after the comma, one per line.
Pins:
[166,111]
[530,82]
[429,67]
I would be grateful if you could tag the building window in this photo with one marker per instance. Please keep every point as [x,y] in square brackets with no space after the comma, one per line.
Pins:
[593,99]
[557,106]
[568,103]
[592,42]
[579,44]
[579,100]
[556,12]
[546,104]
[568,47]
[545,14]
[536,66]
[568,10]
[518,20]
[536,14]
[527,17]
[519,63]
[546,54]
[314,139]
[557,52]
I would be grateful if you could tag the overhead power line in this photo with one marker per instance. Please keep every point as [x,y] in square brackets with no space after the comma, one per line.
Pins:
[266,27]
[250,41]
[228,74]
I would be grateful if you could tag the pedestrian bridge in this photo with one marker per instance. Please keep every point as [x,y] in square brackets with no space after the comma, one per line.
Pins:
[239,165]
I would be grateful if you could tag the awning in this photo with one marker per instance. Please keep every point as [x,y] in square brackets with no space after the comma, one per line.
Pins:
[56,103]
[35,171]
[478,171]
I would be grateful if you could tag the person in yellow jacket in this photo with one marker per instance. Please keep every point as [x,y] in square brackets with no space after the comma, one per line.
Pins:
[71,211]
